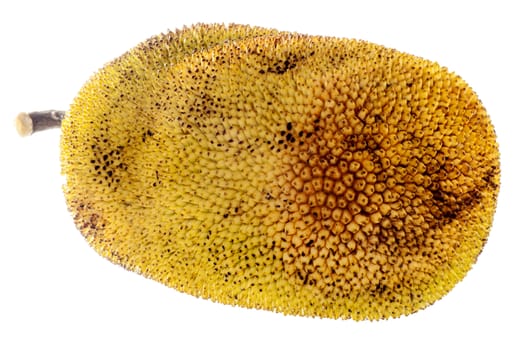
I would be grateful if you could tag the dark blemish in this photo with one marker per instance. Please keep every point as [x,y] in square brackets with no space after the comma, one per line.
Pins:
[283,66]
[289,126]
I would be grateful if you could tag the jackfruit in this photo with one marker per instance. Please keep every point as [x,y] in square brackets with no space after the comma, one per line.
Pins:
[307,175]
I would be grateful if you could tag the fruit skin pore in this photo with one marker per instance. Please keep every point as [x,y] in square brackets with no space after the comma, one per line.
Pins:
[306,175]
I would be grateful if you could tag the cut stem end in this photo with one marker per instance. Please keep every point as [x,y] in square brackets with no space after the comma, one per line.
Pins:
[29,123]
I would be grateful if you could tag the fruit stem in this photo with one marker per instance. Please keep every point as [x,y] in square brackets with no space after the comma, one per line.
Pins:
[29,123]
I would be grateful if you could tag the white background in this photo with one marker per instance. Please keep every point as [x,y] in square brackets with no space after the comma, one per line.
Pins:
[57,293]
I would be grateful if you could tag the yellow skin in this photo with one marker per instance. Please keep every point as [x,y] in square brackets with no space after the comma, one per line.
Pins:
[306,175]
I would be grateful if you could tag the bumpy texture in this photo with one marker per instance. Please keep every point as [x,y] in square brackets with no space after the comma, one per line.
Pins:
[306,175]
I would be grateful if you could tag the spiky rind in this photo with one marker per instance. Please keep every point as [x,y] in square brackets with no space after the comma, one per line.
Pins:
[307,175]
